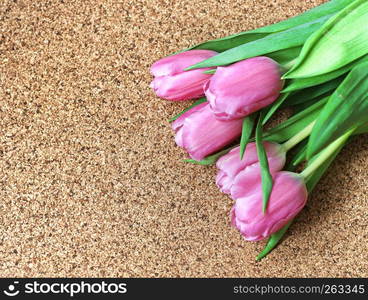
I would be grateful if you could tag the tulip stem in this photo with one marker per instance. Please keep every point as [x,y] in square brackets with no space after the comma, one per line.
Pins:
[296,139]
[325,154]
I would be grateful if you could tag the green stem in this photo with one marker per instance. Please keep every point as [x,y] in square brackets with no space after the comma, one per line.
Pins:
[296,139]
[325,154]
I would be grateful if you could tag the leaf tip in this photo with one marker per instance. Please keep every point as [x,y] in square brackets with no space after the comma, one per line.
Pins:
[210,72]
[189,160]
[242,151]
[264,207]
[260,256]
[192,67]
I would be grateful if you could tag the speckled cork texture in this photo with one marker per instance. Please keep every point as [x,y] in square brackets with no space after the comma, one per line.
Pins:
[92,183]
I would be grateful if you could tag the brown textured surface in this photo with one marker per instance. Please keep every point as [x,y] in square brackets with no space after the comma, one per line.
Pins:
[91,181]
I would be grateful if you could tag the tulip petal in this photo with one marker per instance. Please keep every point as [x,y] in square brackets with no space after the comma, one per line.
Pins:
[175,64]
[203,134]
[240,89]
[288,197]
[180,121]
[231,166]
[173,83]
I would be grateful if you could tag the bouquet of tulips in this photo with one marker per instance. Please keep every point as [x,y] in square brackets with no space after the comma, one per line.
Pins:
[317,64]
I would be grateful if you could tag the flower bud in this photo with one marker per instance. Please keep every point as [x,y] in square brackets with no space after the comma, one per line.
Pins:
[201,134]
[230,165]
[171,82]
[242,88]
[289,195]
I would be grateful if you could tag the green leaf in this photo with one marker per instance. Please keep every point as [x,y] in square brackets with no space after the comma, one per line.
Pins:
[223,44]
[285,56]
[302,83]
[290,38]
[247,129]
[337,43]
[312,180]
[299,156]
[274,107]
[282,57]
[235,40]
[212,71]
[345,109]
[273,241]
[361,129]
[310,183]
[302,106]
[199,101]
[209,160]
[289,128]
[315,163]
[267,181]
[317,175]
[308,94]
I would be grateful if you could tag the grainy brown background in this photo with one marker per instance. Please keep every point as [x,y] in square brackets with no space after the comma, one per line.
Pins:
[91,181]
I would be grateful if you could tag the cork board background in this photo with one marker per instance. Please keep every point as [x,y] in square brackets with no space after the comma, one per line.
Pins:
[92,183]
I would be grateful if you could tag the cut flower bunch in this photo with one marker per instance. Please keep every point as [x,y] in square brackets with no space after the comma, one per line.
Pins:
[317,64]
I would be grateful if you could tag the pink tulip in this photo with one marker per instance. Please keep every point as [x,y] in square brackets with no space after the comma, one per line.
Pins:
[201,134]
[240,89]
[173,83]
[230,166]
[288,197]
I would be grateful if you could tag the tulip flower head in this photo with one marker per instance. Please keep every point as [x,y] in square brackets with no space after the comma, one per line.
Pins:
[201,134]
[242,88]
[171,82]
[231,166]
[288,197]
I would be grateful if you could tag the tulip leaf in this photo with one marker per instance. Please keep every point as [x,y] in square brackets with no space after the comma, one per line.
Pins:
[341,40]
[199,101]
[310,184]
[302,106]
[312,181]
[346,108]
[285,56]
[317,173]
[267,181]
[226,43]
[290,38]
[308,94]
[235,40]
[299,156]
[302,83]
[274,107]
[273,241]
[282,57]
[361,129]
[247,129]
[209,160]
[295,124]
[212,71]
